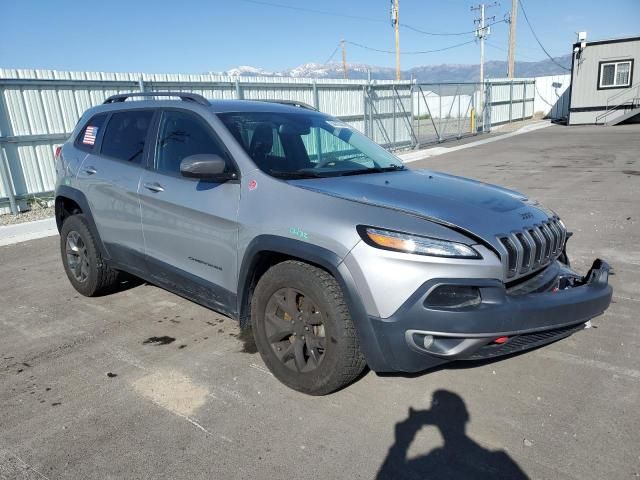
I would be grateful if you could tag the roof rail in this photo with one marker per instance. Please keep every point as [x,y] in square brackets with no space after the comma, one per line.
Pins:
[293,103]
[185,97]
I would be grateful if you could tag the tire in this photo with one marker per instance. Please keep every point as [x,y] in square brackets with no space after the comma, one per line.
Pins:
[316,352]
[83,263]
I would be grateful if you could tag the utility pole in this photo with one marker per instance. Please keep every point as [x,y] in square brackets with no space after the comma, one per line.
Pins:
[395,22]
[482,32]
[344,59]
[512,39]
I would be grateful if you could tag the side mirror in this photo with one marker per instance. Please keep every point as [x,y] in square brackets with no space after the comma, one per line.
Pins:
[206,167]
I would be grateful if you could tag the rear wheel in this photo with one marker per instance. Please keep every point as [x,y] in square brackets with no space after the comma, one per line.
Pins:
[82,261]
[303,329]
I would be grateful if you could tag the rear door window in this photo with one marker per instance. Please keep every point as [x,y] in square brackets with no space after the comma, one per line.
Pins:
[87,139]
[126,134]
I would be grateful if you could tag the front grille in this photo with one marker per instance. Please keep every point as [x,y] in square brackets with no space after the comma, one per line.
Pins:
[534,247]
[524,341]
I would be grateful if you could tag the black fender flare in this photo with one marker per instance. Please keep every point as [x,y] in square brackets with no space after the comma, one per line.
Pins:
[65,191]
[325,259]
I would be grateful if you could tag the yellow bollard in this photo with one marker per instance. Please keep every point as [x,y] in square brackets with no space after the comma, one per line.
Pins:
[473,120]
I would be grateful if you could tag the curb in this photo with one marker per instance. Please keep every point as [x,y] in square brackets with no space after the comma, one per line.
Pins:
[435,151]
[22,232]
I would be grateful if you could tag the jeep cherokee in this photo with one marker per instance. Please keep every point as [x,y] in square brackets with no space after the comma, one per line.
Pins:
[296,224]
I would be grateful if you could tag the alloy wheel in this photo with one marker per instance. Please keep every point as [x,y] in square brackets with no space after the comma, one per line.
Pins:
[294,326]
[77,258]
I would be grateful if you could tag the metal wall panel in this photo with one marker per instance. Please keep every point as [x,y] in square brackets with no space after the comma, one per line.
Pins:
[39,108]
[552,96]
[510,99]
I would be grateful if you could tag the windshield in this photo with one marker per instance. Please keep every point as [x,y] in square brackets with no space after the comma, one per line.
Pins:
[306,145]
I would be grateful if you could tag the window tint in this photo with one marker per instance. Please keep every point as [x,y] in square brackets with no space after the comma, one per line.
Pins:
[608,74]
[87,138]
[181,135]
[615,74]
[125,135]
[295,145]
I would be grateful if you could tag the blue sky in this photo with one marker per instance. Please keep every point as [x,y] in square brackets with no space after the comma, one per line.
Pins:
[213,35]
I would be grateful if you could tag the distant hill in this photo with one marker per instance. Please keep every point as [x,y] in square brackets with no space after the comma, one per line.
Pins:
[423,74]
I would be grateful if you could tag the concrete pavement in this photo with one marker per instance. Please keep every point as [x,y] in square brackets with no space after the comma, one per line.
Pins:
[144,384]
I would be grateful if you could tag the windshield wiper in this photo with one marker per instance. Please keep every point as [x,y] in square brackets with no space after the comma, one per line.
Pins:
[297,174]
[390,168]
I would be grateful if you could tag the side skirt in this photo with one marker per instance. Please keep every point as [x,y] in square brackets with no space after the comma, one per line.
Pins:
[176,281]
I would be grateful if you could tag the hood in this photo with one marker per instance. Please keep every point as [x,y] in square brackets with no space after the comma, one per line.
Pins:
[480,209]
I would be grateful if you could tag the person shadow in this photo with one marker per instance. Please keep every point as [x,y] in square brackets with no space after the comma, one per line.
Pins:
[459,458]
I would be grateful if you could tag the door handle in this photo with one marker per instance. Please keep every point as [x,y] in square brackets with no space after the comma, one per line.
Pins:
[154,187]
[90,170]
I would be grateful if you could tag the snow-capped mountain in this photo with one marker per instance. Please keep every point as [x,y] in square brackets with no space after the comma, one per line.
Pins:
[427,73]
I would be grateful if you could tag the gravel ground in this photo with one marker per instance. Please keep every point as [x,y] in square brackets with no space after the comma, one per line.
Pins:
[37,213]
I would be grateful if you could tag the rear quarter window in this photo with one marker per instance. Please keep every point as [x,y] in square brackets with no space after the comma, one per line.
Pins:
[87,139]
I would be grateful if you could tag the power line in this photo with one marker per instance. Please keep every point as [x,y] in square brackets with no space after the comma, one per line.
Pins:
[313,10]
[493,45]
[524,12]
[359,45]
[409,27]
[352,17]
[333,54]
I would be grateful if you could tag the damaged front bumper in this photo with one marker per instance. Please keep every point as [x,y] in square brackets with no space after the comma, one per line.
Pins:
[553,304]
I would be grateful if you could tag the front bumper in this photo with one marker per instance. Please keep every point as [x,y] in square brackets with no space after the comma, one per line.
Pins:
[527,320]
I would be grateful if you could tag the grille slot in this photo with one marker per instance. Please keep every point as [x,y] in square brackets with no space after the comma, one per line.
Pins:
[539,242]
[512,255]
[526,252]
[525,341]
[533,247]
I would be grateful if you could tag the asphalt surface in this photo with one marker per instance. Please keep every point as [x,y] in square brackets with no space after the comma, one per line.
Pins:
[87,392]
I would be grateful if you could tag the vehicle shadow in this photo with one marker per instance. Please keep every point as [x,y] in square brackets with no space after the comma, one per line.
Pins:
[459,457]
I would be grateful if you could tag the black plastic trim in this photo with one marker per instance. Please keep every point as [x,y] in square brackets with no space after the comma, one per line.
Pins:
[190,286]
[499,314]
[185,97]
[605,42]
[325,259]
[64,191]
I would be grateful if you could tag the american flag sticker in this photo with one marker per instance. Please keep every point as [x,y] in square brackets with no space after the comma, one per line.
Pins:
[90,135]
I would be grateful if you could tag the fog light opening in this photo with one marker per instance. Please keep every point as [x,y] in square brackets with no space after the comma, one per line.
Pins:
[454,296]
[427,341]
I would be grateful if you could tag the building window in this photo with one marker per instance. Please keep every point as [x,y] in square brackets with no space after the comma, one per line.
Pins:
[615,74]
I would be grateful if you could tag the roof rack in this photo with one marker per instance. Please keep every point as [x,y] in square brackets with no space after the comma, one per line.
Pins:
[293,103]
[185,97]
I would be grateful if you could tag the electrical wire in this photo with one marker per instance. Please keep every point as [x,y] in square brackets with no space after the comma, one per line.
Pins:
[524,12]
[332,55]
[313,10]
[489,44]
[409,27]
[356,17]
[410,52]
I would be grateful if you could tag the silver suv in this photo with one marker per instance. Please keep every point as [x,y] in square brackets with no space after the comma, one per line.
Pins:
[297,225]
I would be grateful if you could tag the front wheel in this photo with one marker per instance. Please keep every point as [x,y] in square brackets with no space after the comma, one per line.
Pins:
[303,329]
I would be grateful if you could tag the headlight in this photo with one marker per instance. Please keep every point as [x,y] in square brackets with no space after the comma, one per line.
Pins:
[404,242]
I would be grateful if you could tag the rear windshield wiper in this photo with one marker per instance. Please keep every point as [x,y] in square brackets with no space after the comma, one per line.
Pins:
[390,168]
